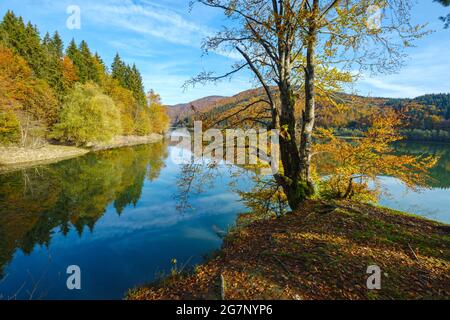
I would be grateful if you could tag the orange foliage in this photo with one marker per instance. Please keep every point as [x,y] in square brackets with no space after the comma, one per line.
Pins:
[20,90]
[351,164]
[70,75]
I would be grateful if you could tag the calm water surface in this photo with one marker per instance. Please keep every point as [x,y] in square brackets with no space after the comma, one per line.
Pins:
[116,214]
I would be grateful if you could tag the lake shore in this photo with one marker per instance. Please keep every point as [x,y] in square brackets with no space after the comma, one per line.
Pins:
[14,158]
[321,251]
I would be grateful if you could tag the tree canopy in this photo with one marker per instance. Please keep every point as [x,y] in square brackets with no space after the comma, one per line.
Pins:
[307,49]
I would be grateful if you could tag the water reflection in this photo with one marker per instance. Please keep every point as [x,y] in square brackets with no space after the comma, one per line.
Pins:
[71,194]
[117,215]
[440,173]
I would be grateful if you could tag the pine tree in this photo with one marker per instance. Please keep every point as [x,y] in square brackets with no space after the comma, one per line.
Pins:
[53,68]
[90,71]
[75,56]
[119,70]
[32,50]
[137,86]
[58,44]
[82,61]
[13,31]
[47,41]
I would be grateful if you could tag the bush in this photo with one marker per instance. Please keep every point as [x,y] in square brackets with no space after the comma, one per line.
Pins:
[9,128]
[143,125]
[87,115]
[159,119]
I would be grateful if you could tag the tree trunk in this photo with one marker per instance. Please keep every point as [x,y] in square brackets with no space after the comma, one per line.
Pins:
[294,185]
[308,115]
[296,180]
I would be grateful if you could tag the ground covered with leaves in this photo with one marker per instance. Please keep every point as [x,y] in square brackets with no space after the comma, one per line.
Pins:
[321,251]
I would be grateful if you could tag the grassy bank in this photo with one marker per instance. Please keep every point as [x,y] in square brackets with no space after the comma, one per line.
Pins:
[321,251]
[13,158]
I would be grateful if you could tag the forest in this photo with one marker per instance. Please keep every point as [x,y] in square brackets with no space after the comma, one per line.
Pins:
[49,92]
[425,118]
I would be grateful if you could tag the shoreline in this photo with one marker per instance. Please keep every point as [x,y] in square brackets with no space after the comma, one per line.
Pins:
[321,251]
[16,158]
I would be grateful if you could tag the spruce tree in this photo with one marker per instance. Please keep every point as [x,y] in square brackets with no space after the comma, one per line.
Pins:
[58,44]
[83,61]
[74,55]
[137,86]
[118,70]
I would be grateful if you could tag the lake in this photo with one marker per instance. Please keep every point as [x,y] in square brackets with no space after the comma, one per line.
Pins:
[123,215]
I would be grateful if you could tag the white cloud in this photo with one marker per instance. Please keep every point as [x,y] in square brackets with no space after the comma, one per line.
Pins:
[389,88]
[148,20]
[426,71]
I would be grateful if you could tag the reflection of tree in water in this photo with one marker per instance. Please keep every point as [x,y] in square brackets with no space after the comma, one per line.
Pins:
[265,197]
[195,177]
[440,173]
[71,194]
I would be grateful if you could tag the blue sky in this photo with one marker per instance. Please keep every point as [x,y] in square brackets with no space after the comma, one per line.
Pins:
[164,40]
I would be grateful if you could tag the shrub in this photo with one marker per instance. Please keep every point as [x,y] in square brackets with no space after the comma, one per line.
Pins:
[9,128]
[143,125]
[87,115]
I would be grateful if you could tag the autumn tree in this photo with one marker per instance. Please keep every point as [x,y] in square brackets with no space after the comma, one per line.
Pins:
[350,166]
[157,113]
[25,101]
[39,83]
[125,102]
[276,39]
[69,73]
[86,116]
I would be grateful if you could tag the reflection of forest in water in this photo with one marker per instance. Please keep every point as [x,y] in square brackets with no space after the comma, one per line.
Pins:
[71,194]
[39,202]
[440,173]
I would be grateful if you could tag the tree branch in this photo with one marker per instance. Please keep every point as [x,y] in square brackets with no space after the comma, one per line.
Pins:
[258,75]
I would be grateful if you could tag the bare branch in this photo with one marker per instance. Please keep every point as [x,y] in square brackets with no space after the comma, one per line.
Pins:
[258,75]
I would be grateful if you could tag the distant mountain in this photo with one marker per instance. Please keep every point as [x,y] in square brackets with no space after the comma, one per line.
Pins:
[184,110]
[212,105]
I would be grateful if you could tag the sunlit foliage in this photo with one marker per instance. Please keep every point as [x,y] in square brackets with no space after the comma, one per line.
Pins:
[351,166]
[87,115]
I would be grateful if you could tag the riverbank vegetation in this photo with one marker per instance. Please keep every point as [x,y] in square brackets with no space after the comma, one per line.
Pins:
[69,95]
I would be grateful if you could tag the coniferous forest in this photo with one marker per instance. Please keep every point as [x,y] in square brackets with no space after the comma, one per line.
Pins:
[52,91]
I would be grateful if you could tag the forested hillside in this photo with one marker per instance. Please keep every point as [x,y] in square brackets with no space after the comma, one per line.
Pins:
[181,111]
[69,94]
[425,117]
